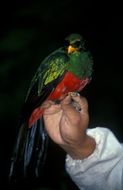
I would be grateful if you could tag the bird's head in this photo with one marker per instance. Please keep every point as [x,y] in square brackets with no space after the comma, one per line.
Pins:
[74,42]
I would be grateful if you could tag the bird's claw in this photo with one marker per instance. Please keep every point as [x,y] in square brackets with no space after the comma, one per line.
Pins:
[73,102]
[74,94]
[76,105]
[57,101]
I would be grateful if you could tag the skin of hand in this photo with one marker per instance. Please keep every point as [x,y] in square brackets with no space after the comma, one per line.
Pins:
[67,127]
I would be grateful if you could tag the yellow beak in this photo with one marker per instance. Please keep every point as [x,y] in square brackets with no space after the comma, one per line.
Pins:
[71,49]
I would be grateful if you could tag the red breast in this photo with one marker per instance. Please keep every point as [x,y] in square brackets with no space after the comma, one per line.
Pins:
[69,83]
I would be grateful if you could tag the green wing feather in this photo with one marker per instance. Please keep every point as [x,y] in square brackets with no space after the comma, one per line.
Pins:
[49,70]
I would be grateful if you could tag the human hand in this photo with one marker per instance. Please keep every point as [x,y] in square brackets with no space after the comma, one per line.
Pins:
[67,127]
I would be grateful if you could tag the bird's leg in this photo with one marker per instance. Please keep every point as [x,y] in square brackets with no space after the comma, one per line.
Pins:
[75,104]
[57,101]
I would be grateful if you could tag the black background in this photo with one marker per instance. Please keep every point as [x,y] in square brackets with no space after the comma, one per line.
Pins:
[29,31]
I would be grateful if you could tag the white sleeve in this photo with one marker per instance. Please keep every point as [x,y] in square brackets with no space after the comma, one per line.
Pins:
[102,170]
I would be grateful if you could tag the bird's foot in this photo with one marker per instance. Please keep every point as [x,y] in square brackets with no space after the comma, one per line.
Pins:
[76,106]
[75,103]
[74,94]
[57,101]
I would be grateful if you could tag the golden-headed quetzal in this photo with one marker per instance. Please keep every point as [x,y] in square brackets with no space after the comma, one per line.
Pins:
[67,69]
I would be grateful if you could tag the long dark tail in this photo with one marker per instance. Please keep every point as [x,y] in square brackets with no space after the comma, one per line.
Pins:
[30,151]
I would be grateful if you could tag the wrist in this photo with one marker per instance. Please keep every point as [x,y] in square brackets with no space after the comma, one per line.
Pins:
[82,150]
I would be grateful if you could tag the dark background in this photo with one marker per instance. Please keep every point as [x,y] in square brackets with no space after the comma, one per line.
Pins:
[28,33]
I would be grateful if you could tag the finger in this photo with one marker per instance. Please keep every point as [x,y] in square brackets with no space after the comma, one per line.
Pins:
[71,114]
[81,101]
[76,105]
[66,100]
[63,96]
[47,104]
[52,109]
[72,101]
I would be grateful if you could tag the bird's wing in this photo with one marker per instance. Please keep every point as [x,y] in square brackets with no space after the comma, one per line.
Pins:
[48,75]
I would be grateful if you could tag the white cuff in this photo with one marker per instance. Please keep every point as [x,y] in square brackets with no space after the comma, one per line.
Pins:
[107,147]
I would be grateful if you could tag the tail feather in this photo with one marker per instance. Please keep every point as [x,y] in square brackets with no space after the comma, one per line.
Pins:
[30,151]
[43,150]
[17,155]
[29,146]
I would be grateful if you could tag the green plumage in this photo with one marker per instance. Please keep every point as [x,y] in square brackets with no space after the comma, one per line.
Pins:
[31,147]
[53,66]
[50,69]
[81,64]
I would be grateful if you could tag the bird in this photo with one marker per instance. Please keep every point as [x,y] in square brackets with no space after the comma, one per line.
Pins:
[67,69]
